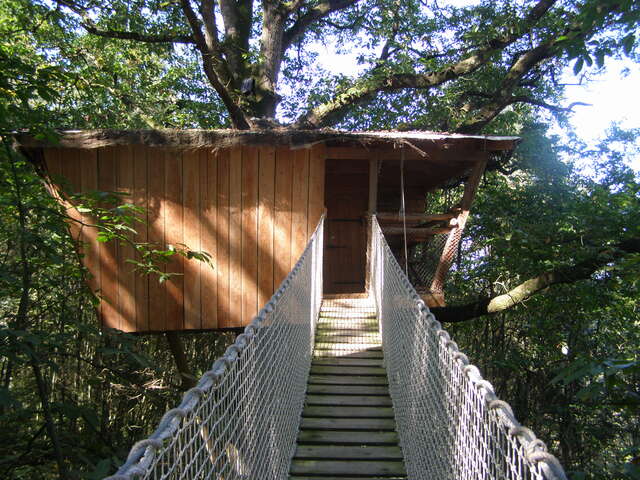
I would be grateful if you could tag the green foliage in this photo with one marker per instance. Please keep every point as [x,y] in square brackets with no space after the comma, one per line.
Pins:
[62,377]
[567,360]
[83,81]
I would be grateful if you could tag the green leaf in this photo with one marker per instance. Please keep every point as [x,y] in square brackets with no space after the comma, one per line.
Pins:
[627,43]
[577,67]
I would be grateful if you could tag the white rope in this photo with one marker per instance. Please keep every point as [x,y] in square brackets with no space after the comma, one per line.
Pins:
[241,420]
[450,423]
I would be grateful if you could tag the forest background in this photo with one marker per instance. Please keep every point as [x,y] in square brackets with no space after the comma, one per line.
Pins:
[544,293]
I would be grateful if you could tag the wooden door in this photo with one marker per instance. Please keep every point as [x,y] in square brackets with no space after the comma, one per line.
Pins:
[346,199]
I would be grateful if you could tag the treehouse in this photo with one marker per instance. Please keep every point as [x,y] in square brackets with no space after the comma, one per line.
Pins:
[252,199]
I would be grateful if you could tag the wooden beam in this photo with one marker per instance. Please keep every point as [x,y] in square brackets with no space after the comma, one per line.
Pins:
[433,299]
[416,233]
[451,245]
[394,217]
[374,164]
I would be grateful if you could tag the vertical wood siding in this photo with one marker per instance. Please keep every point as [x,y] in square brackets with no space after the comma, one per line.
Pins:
[251,208]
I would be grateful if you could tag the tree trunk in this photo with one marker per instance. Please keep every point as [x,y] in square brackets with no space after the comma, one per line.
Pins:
[188,380]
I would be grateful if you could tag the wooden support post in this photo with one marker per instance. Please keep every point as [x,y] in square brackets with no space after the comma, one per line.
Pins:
[374,168]
[451,245]
[416,234]
[415,218]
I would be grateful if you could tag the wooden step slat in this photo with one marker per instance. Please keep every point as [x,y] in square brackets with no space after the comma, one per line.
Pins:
[346,348]
[347,437]
[417,233]
[379,390]
[349,400]
[377,353]
[346,321]
[395,217]
[328,328]
[349,452]
[342,477]
[322,411]
[350,362]
[347,316]
[348,467]
[348,338]
[347,380]
[344,370]
[373,424]
[345,336]
[337,338]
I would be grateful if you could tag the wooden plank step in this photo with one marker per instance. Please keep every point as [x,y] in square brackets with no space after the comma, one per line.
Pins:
[355,322]
[373,424]
[347,347]
[349,339]
[323,411]
[336,315]
[347,437]
[348,467]
[348,390]
[346,370]
[342,477]
[325,328]
[358,452]
[347,380]
[319,353]
[352,308]
[338,335]
[354,400]
[351,362]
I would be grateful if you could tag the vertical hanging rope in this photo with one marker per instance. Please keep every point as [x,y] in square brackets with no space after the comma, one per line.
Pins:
[403,213]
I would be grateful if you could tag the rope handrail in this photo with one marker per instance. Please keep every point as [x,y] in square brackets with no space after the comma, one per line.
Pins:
[450,422]
[262,376]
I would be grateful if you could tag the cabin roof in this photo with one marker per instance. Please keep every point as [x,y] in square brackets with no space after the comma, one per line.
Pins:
[420,141]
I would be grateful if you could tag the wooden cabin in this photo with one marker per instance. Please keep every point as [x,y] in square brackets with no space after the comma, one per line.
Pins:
[251,199]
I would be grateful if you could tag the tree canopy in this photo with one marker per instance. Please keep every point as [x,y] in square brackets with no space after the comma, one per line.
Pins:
[443,67]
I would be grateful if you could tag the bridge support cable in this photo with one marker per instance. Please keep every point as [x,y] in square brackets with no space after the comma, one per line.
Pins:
[450,423]
[241,420]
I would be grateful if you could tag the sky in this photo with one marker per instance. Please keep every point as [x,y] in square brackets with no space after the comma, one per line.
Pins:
[614,97]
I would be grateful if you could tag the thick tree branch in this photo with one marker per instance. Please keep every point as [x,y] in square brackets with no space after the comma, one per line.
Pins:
[386,49]
[91,28]
[138,37]
[210,27]
[503,97]
[237,17]
[368,87]
[548,106]
[320,11]
[271,54]
[211,60]
[525,63]
[529,288]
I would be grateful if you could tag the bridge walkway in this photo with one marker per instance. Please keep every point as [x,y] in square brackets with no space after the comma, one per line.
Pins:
[348,429]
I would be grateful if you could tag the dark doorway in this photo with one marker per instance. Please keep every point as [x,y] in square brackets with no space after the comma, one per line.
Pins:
[346,199]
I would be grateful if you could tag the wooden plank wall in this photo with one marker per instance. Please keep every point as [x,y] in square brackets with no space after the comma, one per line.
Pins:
[251,208]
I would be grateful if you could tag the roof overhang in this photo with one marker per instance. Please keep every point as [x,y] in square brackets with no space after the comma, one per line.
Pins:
[195,139]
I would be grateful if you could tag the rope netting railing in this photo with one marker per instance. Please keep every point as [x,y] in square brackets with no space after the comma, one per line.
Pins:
[241,420]
[450,423]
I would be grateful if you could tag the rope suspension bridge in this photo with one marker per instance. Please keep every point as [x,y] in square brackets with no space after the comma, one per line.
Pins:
[362,388]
